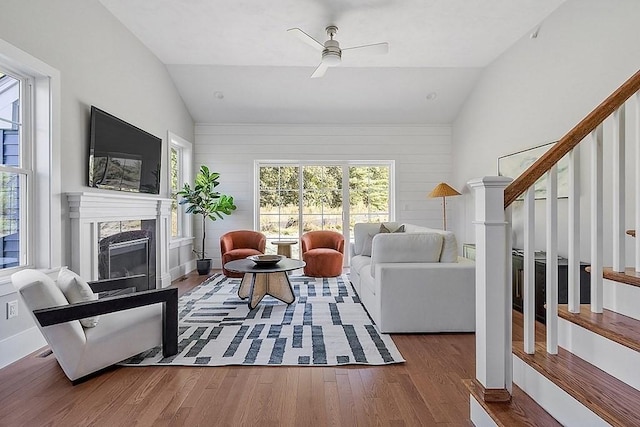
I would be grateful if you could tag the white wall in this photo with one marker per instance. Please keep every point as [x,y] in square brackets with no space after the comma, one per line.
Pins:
[422,157]
[100,63]
[539,89]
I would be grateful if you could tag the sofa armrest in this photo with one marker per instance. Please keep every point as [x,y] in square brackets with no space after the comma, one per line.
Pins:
[426,297]
[168,297]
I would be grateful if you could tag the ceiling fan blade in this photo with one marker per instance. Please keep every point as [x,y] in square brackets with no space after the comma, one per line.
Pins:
[306,38]
[319,72]
[373,49]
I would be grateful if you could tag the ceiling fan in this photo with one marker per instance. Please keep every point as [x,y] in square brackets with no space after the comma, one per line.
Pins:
[331,52]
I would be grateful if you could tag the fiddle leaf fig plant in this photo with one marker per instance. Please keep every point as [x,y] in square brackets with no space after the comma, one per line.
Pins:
[203,199]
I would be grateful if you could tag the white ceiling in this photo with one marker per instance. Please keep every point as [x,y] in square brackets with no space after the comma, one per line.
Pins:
[242,49]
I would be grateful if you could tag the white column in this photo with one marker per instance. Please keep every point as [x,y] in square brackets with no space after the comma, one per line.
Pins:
[618,205]
[163,235]
[492,286]
[596,221]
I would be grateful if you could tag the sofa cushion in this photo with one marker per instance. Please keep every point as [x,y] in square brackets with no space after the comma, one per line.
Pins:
[449,245]
[406,247]
[366,247]
[76,289]
[362,230]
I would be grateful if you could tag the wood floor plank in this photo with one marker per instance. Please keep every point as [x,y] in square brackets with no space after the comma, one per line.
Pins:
[423,391]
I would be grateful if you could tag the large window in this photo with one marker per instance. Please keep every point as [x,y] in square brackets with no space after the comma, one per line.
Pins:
[298,197]
[30,171]
[180,159]
[15,172]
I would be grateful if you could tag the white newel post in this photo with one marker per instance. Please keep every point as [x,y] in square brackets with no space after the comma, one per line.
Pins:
[493,312]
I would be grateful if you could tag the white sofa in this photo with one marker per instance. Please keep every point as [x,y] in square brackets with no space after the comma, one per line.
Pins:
[413,281]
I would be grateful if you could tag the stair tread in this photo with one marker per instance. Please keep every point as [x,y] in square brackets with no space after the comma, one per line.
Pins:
[521,411]
[609,398]
[617,327]
[630,276]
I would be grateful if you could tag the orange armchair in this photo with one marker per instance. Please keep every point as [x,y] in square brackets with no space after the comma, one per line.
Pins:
[239,245]
[323,251]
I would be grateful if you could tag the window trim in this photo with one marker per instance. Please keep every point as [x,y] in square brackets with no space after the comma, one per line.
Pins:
[185,174]
[45,201]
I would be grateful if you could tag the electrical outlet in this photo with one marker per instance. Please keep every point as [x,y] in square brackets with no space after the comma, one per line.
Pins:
[12,309]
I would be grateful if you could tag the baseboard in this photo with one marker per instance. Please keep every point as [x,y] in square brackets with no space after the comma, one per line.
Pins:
[558,403]
[182,269]
[19,345]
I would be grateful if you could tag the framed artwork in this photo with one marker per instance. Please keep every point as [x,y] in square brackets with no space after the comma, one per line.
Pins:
[512,165]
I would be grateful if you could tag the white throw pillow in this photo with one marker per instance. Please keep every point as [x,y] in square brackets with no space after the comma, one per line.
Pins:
[76,289]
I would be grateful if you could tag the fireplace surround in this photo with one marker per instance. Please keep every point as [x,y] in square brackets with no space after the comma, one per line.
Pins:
[87,210]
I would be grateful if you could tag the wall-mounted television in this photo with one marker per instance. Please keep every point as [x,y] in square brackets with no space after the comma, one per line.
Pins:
[121,156]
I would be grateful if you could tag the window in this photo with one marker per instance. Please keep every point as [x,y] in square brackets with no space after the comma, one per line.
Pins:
[180,159]
[15,173]
[298,197]
[30,196]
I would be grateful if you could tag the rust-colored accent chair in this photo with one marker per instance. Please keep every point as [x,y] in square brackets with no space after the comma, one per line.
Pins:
[240,244]
[323,251]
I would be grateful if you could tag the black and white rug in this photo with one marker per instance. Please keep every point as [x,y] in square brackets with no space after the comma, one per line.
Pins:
[325,326]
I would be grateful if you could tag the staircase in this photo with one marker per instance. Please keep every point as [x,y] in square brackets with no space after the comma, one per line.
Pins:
[582,368]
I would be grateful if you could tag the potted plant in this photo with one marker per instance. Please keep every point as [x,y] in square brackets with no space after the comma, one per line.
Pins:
[203,199]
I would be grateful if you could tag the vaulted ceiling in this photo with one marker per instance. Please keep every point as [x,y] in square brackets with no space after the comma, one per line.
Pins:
[235,62]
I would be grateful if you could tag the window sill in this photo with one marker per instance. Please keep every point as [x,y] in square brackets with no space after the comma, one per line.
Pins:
[180,242]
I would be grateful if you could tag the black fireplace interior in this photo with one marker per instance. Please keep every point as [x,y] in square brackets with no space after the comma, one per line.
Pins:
[128,253]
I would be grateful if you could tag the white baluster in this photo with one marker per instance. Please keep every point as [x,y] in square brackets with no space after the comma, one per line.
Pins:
[552,260]
[574,231]
[636,99]
[618,208]
[508,337]
[596,221]
[529,291]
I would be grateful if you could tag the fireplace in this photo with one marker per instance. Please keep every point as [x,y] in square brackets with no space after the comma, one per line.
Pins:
[113,235]
[126,253]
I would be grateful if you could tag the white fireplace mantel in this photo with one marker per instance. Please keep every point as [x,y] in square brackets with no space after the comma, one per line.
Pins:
[88,209]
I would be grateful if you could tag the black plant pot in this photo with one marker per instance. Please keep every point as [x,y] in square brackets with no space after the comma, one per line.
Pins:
[203,266]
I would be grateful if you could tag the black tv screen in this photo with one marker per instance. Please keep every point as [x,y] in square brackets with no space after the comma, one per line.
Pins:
[121,156]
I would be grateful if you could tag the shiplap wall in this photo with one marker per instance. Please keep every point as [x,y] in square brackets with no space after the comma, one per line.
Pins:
[422,156]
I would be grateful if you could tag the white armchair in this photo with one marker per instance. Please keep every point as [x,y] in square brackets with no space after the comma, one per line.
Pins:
[129,324]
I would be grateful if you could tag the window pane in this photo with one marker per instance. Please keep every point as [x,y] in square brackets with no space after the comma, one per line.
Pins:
[12,207]
[9,219]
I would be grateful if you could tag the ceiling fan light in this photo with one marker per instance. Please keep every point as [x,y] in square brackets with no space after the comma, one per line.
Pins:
[331,58]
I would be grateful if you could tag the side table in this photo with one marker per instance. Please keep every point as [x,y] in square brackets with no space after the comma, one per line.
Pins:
[284,246]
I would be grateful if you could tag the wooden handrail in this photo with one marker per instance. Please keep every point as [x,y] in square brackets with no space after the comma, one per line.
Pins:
[571,139]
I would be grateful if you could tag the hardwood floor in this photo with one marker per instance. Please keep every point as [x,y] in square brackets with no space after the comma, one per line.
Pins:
[426,390]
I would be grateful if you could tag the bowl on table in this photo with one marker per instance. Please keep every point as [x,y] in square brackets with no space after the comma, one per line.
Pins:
[266,260]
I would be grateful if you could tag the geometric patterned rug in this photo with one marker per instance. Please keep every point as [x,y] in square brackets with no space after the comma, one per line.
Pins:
[325,326]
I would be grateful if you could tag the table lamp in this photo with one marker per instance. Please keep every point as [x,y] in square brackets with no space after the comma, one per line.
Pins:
[443,190]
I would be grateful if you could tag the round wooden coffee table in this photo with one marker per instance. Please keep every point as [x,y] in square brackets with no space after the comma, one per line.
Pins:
[259,281]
